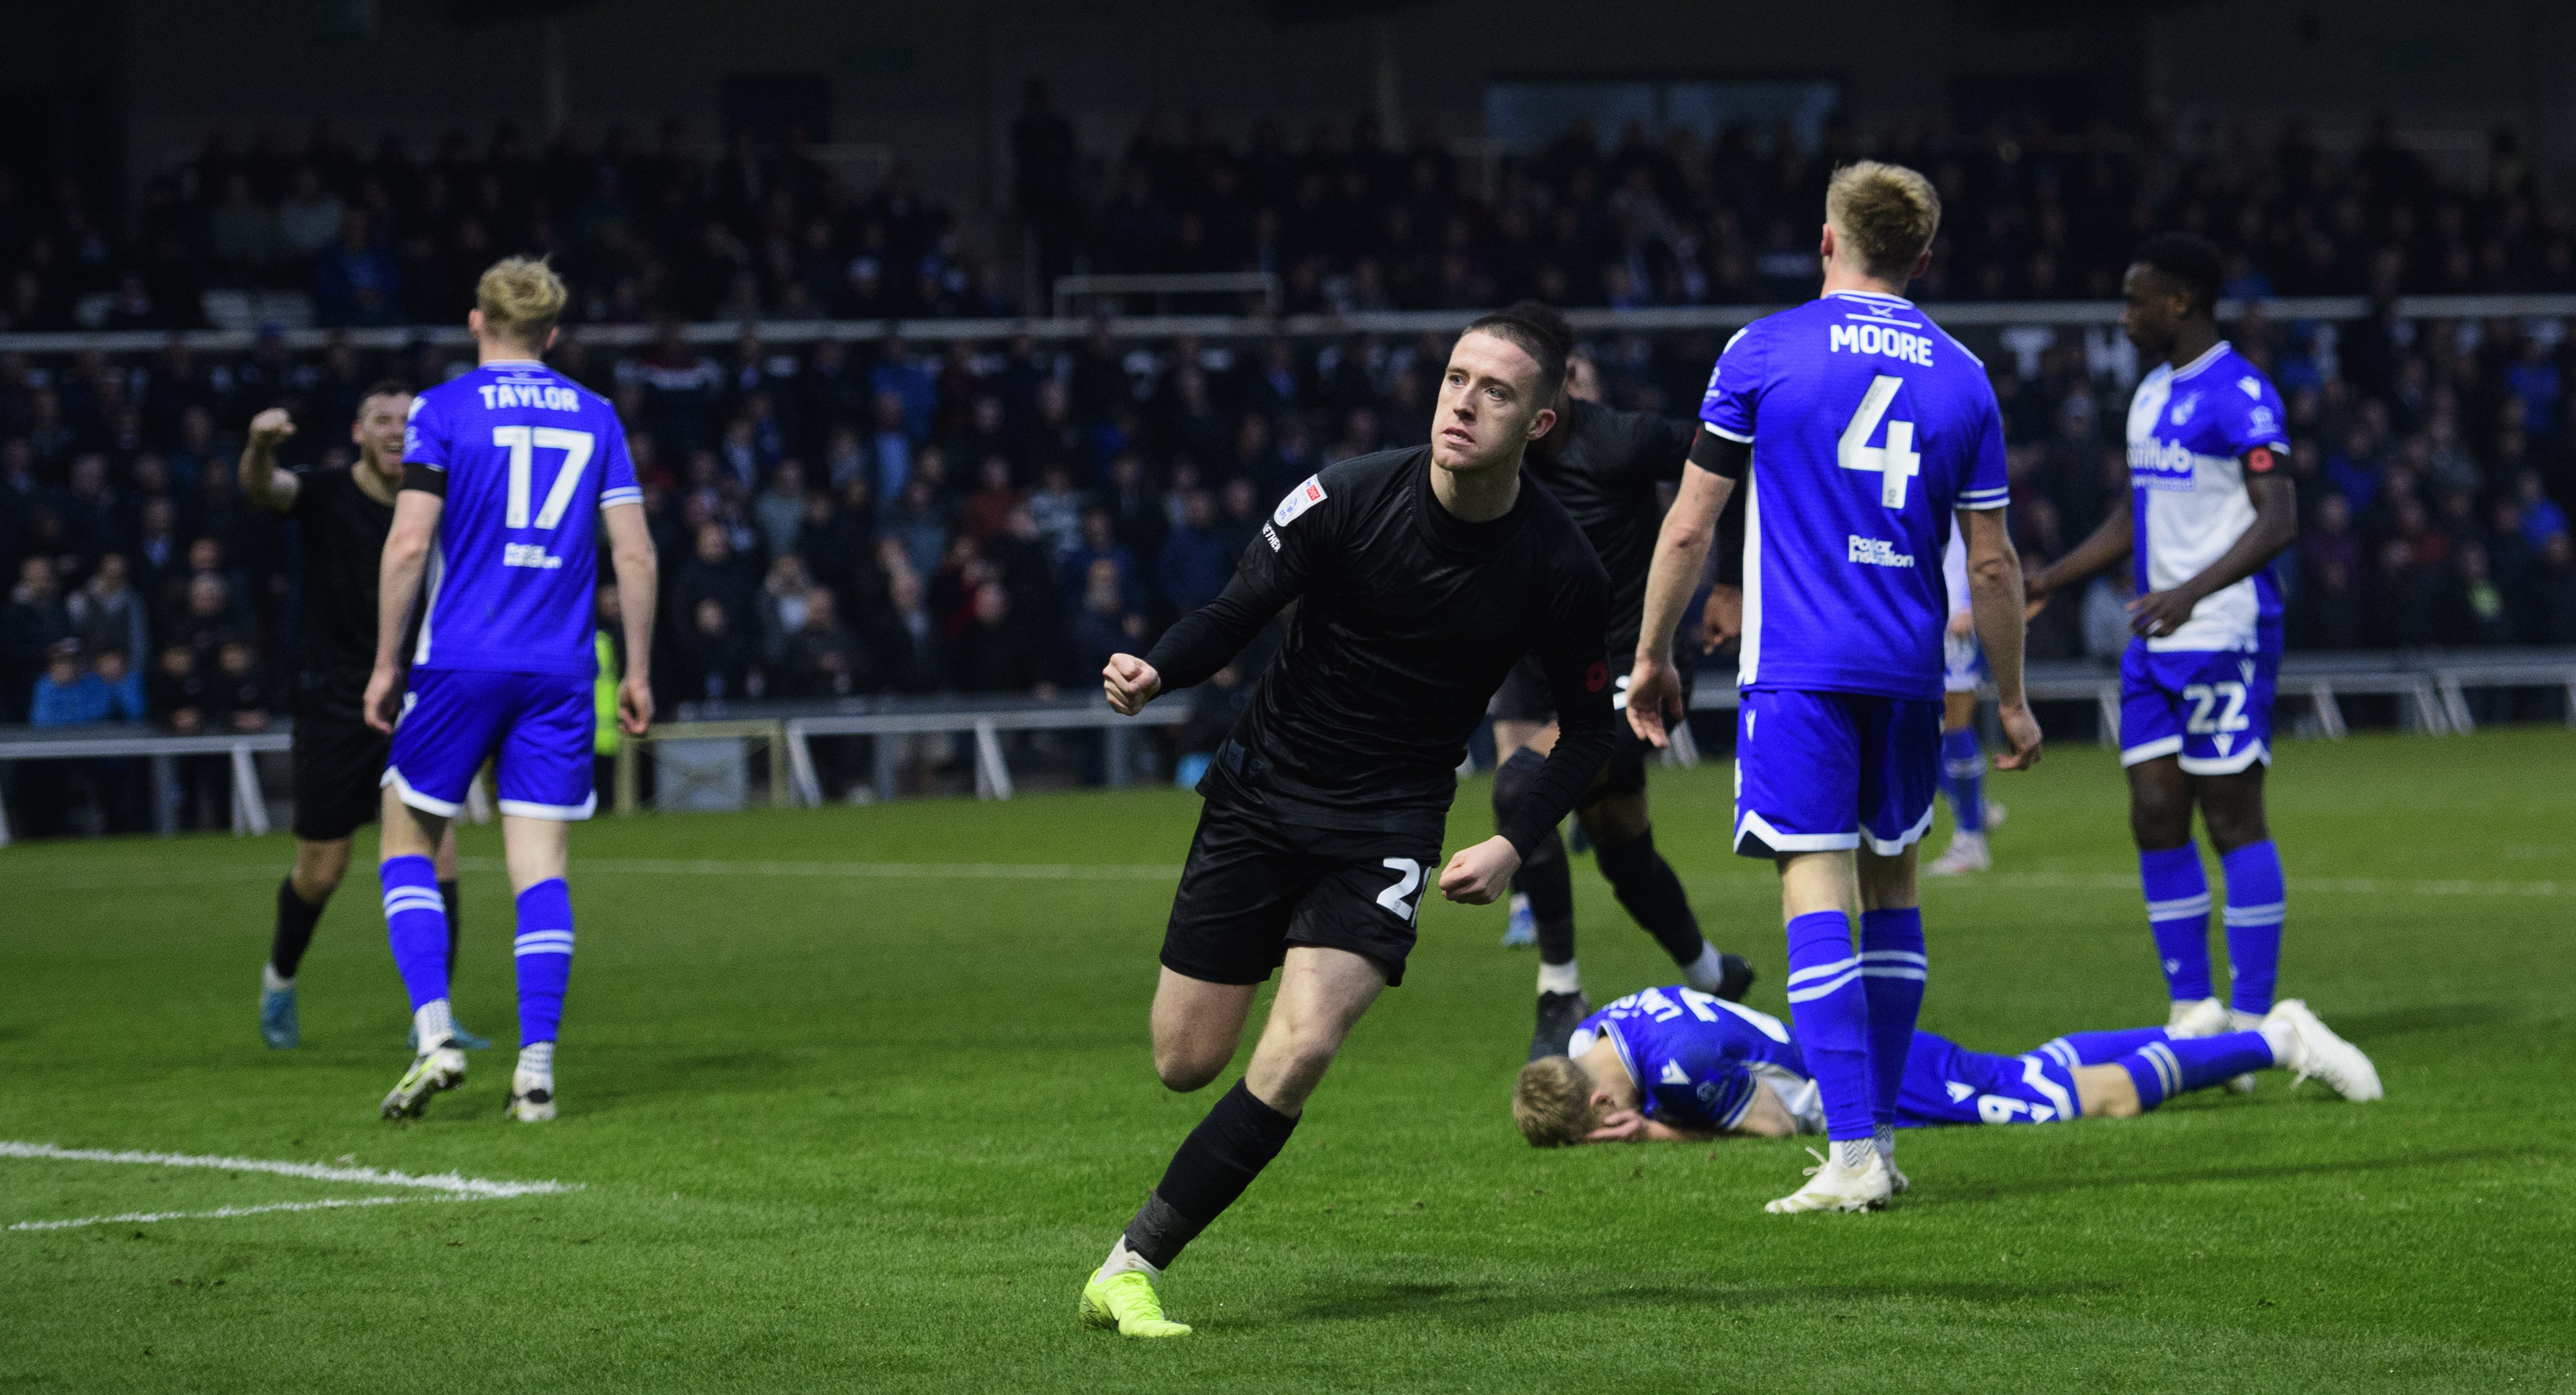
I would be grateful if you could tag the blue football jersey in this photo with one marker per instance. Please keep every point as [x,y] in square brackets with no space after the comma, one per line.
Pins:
[2190,430]
[1694,1056]
[530,459]
[1870,427]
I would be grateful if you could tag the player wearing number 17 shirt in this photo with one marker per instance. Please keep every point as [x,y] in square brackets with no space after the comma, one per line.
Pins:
[1862,433]
[2210,504]
[509,474]
[1419,576]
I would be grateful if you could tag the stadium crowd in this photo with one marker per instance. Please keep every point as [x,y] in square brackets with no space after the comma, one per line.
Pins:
[862,518]
[1345,218]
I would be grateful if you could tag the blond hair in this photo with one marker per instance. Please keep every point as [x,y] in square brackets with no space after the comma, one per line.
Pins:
[521,299]
[1552,1103]
[1887,213]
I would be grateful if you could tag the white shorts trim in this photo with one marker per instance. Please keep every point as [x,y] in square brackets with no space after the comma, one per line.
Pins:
[427,804]
[560,813]
[2166,746]
[1907,839]
[1779,842]
[2220,765]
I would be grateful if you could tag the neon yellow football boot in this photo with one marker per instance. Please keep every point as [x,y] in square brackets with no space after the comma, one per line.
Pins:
[1127,1301]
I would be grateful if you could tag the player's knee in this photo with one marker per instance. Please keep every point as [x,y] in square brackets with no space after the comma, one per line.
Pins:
[1513,779]
[2159,818]
[1615,818]
[1182,1067]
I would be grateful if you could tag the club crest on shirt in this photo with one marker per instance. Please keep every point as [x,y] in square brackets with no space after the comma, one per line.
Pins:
[1300,499]
[2182,410]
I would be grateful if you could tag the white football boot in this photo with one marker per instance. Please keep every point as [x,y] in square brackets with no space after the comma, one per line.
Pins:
[1833,1187]
[442,1067]
[2196,1017]
[2302,1043]
[1967,853]
[532,1098]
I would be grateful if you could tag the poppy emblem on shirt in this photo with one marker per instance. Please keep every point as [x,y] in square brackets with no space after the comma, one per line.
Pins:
[2259,460]
[1596,677]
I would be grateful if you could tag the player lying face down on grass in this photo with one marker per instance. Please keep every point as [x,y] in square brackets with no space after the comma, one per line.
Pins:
[1678,1065]
[1421,576]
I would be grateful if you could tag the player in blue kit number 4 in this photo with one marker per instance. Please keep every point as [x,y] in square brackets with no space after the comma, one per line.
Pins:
[1862,432]
[509,472]
[2210,504]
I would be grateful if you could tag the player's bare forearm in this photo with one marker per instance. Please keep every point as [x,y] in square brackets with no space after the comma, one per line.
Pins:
[630,553]
[2276,526]
[261,483]
[1995,597]
[406,556]
[1681,553]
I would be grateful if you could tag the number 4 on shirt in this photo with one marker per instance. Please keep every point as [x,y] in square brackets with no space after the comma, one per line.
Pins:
[1897,461]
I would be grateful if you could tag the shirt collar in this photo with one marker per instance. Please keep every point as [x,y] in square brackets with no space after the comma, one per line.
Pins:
[2206,359]
[1880,296]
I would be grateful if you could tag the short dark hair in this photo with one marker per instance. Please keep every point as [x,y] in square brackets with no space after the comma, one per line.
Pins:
[1546,317]
[386,387]
[1532,340]
[2189,258]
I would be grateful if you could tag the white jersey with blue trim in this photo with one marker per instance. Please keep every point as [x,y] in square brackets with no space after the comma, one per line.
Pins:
[2190,429]
[1954,572]
[1870,428]
[529,458]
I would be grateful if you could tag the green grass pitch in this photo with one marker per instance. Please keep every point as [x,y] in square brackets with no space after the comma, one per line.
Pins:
[839,1126]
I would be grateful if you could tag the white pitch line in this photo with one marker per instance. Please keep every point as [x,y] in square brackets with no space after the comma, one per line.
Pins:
[222,1212]
[456,1183]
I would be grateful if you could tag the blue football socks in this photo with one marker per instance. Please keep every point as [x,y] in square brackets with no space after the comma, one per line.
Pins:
[543,953]
[2255,902]
[1963,778]
[416,927]
[1830,1010]
[1892,976]
[2178,910]
[2164,1069]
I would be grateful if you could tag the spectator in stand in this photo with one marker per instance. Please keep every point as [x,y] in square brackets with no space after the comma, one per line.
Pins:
[995,654]
[919,525]
[822,659]
[988,509]
[1195,562]
[779,512]
[2542,517]
[108,614]
[2554,591]
[69,691]
[242,697]
[1105,623]
[357,281]
[713,573]
[717,660]
[183,696]
[36,621]
[1056,507]
[781,605]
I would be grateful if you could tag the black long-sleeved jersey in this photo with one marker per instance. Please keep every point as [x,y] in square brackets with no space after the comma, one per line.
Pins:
[1410,619]
[1604,470]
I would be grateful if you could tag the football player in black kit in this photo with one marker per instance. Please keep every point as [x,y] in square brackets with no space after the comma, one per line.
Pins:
[342,517]
[1422,575]
[1604,466]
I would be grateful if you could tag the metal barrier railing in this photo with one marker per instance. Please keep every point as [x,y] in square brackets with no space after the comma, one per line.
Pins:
[1060,328]
[2433,687]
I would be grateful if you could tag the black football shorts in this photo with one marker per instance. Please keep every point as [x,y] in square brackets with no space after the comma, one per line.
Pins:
[339,764]
[1254,886]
